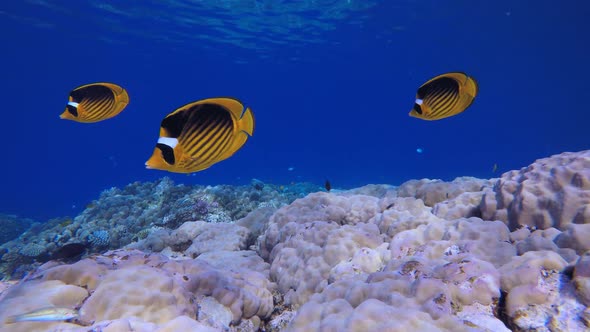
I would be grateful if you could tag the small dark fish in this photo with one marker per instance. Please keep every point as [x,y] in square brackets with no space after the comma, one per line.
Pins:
[200,134]
[69,252]
[328,185]
[444,96]
[95,102]
[495,168]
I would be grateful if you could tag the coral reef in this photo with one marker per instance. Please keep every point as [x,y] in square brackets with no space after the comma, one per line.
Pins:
[13,226]
[121,216]
[503,254]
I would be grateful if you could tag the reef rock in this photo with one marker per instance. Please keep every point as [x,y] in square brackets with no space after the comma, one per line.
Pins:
[551,192]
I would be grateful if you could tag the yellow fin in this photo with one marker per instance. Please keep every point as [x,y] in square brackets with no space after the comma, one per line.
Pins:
[245,129]
[470,87]
[246,123]
[233,105]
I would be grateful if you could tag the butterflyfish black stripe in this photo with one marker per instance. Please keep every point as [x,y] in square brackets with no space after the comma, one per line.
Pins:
[215,149]
[431,97]
[444,84]
[191,127]
[174,124]
[197,137]
[198,122]
[443,99]
[446,107]
[207,142]
[195,147]
[225,142]
[99,108]
[95,101]
[219,149]
[88,103]
[211,122]
[203,159]
[446,110]
[437,98]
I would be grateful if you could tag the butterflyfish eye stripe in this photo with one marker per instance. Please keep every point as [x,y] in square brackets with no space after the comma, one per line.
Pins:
[167,153]
[213,149]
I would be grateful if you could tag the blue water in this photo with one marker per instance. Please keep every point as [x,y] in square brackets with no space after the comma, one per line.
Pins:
[330,83]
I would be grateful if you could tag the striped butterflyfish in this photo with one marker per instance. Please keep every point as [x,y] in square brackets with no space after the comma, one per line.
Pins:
[200,134]
[95,102]
[444,96]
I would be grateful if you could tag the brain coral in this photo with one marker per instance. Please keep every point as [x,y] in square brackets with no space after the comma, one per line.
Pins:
[312,236]
[155,289]
[551,192]
[338,210]
[435,191]
[140,291]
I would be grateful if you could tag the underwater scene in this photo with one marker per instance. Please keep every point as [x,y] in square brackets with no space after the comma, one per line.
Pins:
[295,165]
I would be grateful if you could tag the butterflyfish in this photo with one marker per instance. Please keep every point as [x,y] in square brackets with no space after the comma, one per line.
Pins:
[95,102]
[200,134]
[444,96]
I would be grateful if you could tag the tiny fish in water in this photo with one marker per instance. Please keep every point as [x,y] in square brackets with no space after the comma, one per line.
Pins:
[95,102]
[49,314]
[328,185]
[200,134]
[495,168]
[444,96]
